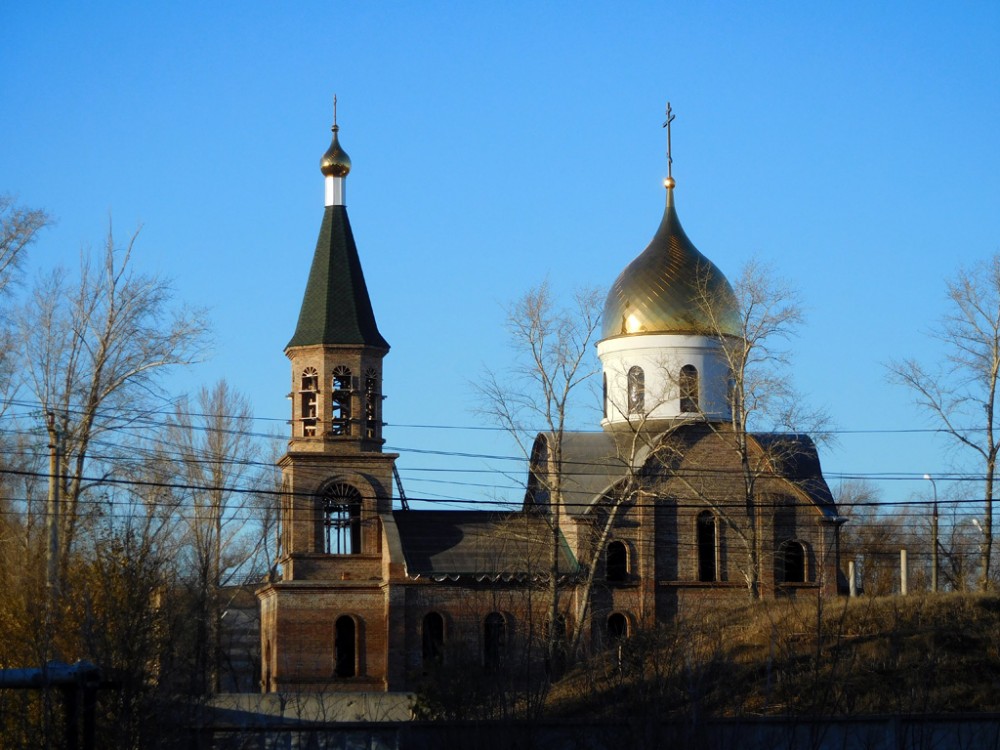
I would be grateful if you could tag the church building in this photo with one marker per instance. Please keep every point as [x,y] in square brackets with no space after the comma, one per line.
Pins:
[669,507]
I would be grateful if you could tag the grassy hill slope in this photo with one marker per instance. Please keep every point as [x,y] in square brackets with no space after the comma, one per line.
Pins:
[830,658]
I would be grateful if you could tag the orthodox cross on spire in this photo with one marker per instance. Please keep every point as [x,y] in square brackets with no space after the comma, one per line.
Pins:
[670,160]
[335,128]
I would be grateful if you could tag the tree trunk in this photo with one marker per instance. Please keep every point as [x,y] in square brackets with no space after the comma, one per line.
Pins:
[987,546]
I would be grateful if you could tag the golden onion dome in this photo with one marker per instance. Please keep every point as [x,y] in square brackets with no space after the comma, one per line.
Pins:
[670,288]
[335,162]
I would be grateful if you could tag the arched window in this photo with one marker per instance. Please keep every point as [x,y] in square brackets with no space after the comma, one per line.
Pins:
[707,546]
[341,519]
[689,389]
[494,640]
[285,521]
[538,484]
[792,562]
[372,400]
[617,627]
[604,395]
[636,390]
[345,647]
[308,394]
[433,638]
[617,562]
[341,421]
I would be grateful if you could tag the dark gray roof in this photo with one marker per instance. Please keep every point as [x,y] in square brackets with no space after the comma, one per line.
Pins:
[798,461]
[484,544]
[336,308]
[591,464]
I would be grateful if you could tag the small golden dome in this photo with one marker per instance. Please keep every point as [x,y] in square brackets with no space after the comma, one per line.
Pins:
[335,162]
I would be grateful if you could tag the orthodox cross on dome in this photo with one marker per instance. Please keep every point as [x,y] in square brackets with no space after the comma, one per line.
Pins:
[335,128]
[670,160]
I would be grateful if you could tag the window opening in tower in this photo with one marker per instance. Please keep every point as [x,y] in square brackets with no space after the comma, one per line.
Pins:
[341,418]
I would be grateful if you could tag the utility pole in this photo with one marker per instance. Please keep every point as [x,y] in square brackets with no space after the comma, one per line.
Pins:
[52,514]
[904,587]
[51,572]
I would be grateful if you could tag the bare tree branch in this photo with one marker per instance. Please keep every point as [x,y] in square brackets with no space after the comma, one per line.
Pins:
[94,349]
[761,394]
[19,227]
[553,348]
[221,543]
[960,393]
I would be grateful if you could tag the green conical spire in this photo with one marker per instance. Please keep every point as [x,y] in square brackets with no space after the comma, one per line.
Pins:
[336,308]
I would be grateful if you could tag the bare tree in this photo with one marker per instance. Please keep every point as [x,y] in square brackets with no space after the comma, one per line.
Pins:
[218,459]
[872,538]
[553,349]
[761,394]
[19,228]
[95,348]
[632,446]
[960,393]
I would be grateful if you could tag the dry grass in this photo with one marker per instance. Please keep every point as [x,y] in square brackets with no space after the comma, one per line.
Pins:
[835,658]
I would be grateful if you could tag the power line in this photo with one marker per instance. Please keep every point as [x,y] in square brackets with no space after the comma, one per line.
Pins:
[37,406]
[720,500]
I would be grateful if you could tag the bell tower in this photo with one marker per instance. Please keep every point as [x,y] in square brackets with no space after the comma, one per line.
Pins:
[323,616]
[336,479]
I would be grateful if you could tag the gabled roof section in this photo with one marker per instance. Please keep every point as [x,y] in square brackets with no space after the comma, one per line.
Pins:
[797,460]
[591,462]
[336,308]
[595,464]
[442,544]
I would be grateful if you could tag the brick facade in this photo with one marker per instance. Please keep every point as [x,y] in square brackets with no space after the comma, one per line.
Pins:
[671,569]
[367,595]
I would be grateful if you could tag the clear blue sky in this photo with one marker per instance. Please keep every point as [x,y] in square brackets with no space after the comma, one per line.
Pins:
[854,145]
